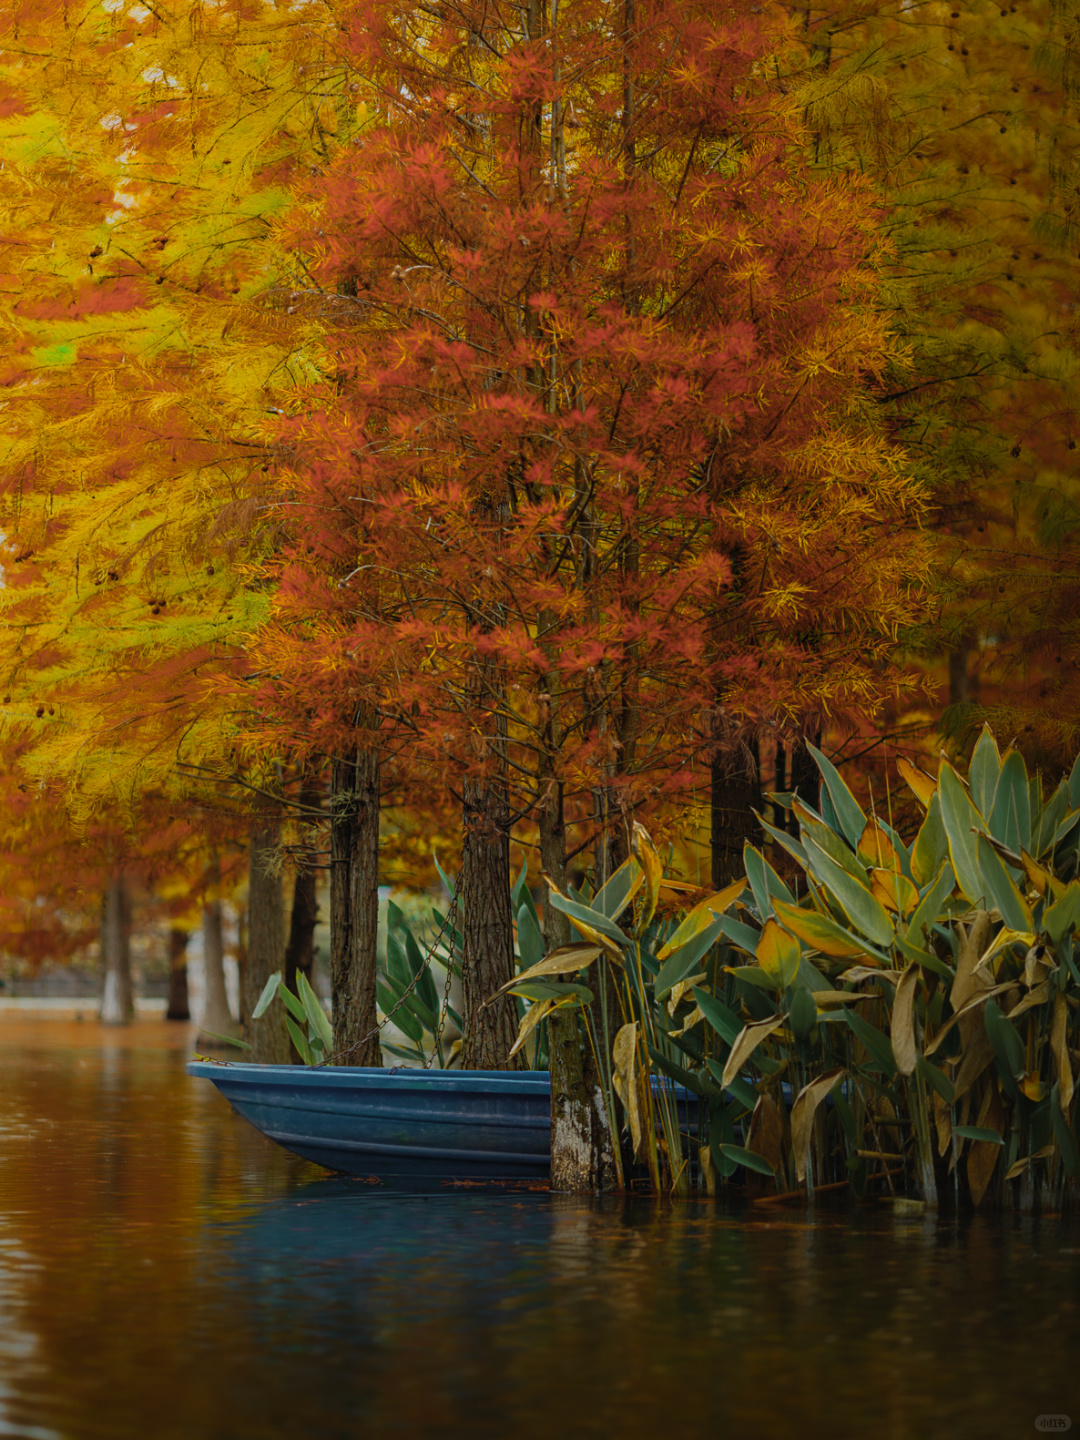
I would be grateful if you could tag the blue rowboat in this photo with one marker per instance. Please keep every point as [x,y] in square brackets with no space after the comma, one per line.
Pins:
[409,1125]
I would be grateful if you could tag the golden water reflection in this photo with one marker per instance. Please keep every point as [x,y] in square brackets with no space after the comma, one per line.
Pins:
[165,1272]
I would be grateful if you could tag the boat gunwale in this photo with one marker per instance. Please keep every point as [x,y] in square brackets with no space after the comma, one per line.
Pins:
[354,1077]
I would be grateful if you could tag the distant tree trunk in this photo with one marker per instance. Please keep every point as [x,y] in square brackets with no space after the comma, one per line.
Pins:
[354,906]
[117,1003]
[177,1008]
[217,1018]
[300,948]
[487,930]
[805,776]
[266,946]
[581,1153]
[735,795]
[959,682]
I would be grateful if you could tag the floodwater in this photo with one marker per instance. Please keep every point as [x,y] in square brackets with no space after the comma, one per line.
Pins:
[168,1274]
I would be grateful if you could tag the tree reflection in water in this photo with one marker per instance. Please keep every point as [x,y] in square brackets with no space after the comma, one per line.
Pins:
[165,1272]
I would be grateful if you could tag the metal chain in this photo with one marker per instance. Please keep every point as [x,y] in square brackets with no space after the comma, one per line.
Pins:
[359,1044]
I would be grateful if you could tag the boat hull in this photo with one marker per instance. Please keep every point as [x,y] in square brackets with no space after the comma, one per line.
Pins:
[480,1126]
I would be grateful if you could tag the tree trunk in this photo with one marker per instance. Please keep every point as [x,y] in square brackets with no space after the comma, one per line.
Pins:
[300,950]
[581,1155]
[217,1018]
[354,907]
[487,930]
[269,1038]
[178,1008]
[736,793]
[805,776]
[117,1003]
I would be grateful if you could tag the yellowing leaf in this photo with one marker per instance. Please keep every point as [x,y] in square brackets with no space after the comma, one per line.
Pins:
[802,1117]
[645,853]
[902,1030]
[875,849]
[624,1056]
[819,931]
[701,917]
[895,891]
[917,780]
[778,953]
[529,1021]
[746,1042]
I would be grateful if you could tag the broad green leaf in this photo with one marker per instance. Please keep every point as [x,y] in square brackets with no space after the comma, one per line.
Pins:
[590,923]
[962,823]
[747,1158]
[978,1132]
[1000,889]
[778,953]
[300,1040]
[848,810]
[867,914]
[931,845]
[529,936]
[802,1013]
[877,1044]
[984,771]
[764,881]
[936,1079]
[1074,784]
[831,843]
[420,970]
[1048,822]
[677,966]
[1064,914]
[269,990]
[744,936]
[316,1015]
[928,909]
[1010,821]
[723,1019]
[783,839]
[1008,1047]
[612,899]
[677,1072]
[292,1003]
[820,932]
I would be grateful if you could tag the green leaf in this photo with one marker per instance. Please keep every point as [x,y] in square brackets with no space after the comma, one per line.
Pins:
[676,967]
[299,1039]
[269,990]
[1074,784]
[722,1019]
[962,822]
[931,844]
[984,772]
[739,1089]
[612,898]
[744,936]
[530,938]
[865,912]
[764,881]
[783,839]
[747,1158]
[978,1132]
[1008,1047]
[588,916]
[226,1039]
[928,910]
[1000,888]
[676,1072]
[1049,820]
[802,1013]
[936,1079]
[420,970]
[1064,915]
[1010,822]
[292,1003]
[316,1015]
[877,1045]
[848,810]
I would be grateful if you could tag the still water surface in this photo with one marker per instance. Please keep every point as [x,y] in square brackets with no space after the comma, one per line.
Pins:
[168,1274]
